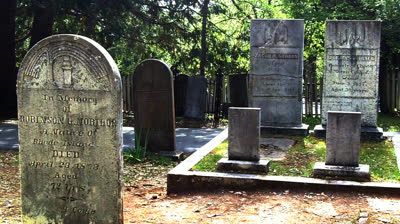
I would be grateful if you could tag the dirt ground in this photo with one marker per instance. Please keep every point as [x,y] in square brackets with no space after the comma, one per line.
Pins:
[146,202]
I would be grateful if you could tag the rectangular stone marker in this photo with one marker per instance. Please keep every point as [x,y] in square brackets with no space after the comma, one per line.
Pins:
[70,133]
[238,90]
[180,90]
[276,71]
[196,94]
[244,133]
[351,69]
[343,138]
[154,106]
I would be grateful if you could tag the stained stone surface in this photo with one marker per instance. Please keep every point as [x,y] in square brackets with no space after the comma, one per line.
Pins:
[180,89]
[351,69]
[276,71]
[70,133]
[196,94]
[244,133]
[275,148]
[154,106]
[343,138]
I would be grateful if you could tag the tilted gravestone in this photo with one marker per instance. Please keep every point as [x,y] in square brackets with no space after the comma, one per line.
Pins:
[351,72]
[243,141]
[196,94]
[154,107]
[238,90]
[70,133]
[180,89]
[276,72]
[343,147]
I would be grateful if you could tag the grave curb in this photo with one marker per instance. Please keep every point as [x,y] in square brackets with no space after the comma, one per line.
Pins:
[180,179]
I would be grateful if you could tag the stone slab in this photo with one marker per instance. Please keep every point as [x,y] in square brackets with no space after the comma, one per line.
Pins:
[225,164]
[343,138]
[367,133]
[275,148]
[180,90]
[351,71]
[358,173]
[196,94]
[154,105]
[238,90]
[244,133]
[70,133]
[295,131]
[276,71]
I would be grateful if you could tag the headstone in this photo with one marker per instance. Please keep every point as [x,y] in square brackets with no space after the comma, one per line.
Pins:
[343,147]
[180,84]
[243,141]
[196,94]
[238,90]
[154,107]
[276,73]
[70,133]
[351,69]
[351,73]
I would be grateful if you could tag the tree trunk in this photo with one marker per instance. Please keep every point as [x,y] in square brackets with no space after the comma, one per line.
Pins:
[203,54]
[42,21]
[8,77]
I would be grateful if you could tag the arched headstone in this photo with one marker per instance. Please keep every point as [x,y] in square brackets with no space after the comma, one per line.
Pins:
[70,133]
[154,107]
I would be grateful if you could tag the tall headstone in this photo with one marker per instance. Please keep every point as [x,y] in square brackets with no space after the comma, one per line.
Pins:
[276,73]
[70,133]
[351,73]
[196,95]
[154,107]
[343,147]
[180,89]
[243,141]
[238,90]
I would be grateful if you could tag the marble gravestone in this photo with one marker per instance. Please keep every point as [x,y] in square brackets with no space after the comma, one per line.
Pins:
[154,107]
[243,141]
[276,72]
[70,133]
[195,106]
[351,73]
[343,147]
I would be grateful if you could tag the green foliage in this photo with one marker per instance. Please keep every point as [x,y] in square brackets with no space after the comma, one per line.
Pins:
[389,122]
[138,153]
[312,121]
[209,163]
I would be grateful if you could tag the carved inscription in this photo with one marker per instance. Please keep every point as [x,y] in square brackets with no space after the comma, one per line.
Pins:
[275,86]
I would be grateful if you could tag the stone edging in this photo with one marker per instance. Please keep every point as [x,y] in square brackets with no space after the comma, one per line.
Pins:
[181,179]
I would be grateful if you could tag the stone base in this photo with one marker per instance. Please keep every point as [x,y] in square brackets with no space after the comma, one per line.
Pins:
[225,164]
[358,173]
[367,133]
[299,131]
[175,155]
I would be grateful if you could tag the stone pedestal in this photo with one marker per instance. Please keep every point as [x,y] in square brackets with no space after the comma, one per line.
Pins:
[243,141]
[342,148]
[298,131]
[367,133]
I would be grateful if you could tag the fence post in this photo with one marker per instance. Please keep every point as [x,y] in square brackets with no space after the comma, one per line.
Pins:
[218,96]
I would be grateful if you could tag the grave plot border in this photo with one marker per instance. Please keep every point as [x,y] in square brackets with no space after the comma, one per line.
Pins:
[182,180]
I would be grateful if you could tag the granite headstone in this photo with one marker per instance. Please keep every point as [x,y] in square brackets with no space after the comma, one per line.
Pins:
[154,106]
[276,71]
[238,90]
[196,95]
[70,133]
[180,89]
[351,69]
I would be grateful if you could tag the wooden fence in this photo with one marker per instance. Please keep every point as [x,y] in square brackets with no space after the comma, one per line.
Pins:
[392,91]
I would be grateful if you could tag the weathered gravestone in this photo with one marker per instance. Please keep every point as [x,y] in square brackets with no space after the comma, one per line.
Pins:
[238,90]
[196,94]
[154,107]
[351,73]
[343,147]
[180,89]
[243,141]
[70,133]
[276,72]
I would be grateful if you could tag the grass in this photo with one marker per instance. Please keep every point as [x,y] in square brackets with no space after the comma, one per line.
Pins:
[302,156]
[389,122]
[311,121]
